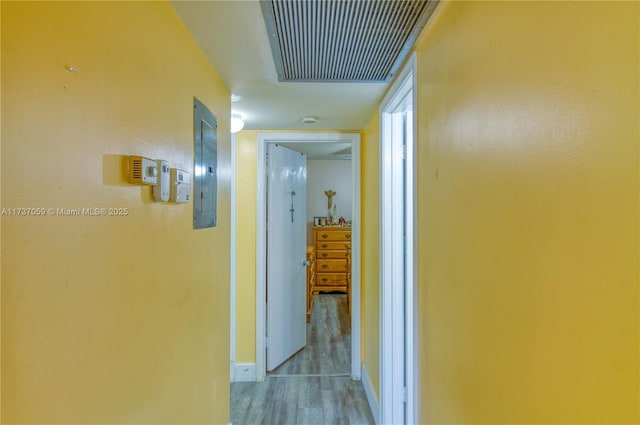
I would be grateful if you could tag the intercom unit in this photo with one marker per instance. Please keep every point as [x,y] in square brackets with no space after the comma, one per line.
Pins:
[180,186]
[161,188]
[142,170]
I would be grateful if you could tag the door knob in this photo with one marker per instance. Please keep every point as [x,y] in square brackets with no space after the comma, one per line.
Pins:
[306,263]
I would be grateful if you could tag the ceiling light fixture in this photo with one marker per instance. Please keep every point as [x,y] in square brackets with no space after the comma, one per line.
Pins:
[237,123]
[309,119]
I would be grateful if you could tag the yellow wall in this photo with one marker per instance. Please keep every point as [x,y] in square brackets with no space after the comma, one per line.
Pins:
[108,319]
[246,198]
[528,213]
[0,219]
[370,256]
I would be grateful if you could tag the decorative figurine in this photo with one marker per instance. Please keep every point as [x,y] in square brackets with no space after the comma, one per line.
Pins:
[330,194]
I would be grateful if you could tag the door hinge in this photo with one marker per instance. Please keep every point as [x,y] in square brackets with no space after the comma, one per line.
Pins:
[266,341]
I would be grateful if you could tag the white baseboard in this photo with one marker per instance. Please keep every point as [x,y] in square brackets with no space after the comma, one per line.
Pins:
[245,372]
[371,395]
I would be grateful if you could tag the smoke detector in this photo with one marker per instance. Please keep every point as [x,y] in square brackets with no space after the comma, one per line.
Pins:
[309,119]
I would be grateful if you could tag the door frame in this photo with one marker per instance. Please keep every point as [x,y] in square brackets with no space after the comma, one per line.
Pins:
[233,277]
[261,240]
[398,308]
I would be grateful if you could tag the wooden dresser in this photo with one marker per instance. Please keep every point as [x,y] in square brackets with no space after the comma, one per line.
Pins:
[333,259]
[311,279]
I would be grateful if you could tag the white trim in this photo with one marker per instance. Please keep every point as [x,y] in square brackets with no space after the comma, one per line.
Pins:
[263,139]
[232,288]
[355,259]
[396,303]
[372,398]
[411,300]
[261,265]
[245,372]
[411,293]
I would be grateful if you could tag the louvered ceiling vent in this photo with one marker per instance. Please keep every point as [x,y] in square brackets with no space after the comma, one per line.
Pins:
[342,40]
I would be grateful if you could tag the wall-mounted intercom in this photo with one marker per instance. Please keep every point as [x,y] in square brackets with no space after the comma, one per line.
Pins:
[180,186]
[161,188]
[142,170]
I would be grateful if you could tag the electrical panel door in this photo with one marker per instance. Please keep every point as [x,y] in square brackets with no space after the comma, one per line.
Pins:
[205,182]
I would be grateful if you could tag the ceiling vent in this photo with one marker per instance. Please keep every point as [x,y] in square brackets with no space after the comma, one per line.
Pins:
[342,41]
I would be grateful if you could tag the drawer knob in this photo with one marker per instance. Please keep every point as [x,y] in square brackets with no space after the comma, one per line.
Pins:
[347,235]
[324,266]
[324,254]
[324,235]
[324,279]
[324,245]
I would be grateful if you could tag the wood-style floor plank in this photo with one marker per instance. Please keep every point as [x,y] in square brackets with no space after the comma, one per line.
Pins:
[328,349]
[326,400]
[289,396]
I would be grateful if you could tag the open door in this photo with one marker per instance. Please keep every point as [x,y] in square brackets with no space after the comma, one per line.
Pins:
[286,253]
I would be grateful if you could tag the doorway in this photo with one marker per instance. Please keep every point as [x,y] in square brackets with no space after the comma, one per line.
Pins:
[264,139]
[398,286]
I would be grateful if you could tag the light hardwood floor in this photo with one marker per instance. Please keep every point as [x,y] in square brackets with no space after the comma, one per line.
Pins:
[328,349]
[313,386]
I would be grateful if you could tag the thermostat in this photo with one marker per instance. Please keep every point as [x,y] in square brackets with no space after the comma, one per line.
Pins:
[180,186]
[142,170]
[161,188]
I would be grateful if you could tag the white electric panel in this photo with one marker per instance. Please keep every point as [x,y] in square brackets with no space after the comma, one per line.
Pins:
[205,166]
[180,186]
[161,188]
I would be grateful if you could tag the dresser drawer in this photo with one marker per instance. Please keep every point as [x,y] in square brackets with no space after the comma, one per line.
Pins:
[333,265]
[331,279]
[333,254]
[333,236]
[333,259]
[333,245]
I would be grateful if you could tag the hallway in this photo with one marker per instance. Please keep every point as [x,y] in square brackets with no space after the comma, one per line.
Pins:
[526,126]
[312,387]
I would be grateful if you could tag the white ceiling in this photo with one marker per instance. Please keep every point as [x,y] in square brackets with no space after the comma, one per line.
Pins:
[334,150]
[232,34]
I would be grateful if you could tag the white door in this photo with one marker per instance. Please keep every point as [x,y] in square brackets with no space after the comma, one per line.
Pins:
[286,253]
